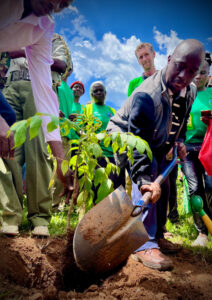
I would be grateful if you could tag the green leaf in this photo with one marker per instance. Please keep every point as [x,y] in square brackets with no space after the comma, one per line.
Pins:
[99,176]
[115,169]
[52,180]
[95,149]
[81,181]
[88,184]
[115,147]
[140,146]
[122,149]
[119,141]
[114,135]
[34,127]
[73,161]
[100,136]
[92,165]
[107,141]
[108,169]
[64,166]
[130,154]
[89,201]
[80,199]
[131,141]
[104,190]
[20,133]
[53,124]
[82,170]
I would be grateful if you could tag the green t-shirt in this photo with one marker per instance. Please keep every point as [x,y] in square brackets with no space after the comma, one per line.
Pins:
[103,113]
[134,83]
[196,129]
[68,106]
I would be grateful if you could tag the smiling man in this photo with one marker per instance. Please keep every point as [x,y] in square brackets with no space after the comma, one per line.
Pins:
[157,111]
[27,23]
[145,55]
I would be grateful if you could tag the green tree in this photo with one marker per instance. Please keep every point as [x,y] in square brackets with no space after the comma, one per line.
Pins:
[85,154]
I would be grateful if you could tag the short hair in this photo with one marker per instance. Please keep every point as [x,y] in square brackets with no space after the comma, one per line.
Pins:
[95,83]
[142,45]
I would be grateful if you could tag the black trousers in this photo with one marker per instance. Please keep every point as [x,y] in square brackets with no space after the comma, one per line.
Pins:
[199,183]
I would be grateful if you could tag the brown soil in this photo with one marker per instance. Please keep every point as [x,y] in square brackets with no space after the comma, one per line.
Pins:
[44,269]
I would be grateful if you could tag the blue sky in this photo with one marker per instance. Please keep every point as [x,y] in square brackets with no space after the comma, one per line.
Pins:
[102,36]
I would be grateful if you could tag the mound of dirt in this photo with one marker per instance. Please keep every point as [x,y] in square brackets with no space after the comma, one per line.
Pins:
[45,269]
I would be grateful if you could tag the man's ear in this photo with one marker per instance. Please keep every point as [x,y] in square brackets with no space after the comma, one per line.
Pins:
[169,58]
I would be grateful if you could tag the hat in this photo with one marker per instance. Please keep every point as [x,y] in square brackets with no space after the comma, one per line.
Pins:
[79,82]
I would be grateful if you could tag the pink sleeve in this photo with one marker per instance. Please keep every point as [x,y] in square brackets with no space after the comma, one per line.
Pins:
[39,62]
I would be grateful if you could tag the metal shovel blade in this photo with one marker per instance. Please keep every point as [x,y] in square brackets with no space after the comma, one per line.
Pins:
[108,234]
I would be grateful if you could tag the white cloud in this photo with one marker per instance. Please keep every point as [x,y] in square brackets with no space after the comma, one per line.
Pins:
[209,39]
[165,42]
[73,8]
[111,59]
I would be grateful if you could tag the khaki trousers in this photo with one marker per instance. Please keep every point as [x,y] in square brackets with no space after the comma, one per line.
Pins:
[38,167]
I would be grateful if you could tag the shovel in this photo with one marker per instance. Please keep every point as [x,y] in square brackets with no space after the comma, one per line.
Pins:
[112,230]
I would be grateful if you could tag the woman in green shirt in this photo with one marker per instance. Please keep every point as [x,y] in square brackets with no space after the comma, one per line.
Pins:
[199,183]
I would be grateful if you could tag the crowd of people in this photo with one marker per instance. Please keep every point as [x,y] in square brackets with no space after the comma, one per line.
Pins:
[163,108]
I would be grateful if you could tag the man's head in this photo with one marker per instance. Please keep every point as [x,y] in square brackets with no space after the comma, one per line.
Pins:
[145,55]
[45,7]
[202,77]
[184,64]
[98,92]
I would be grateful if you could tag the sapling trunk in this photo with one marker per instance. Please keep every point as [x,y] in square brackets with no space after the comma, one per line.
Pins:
[72,199]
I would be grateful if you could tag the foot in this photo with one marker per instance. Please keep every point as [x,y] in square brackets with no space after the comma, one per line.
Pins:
[168,247]
[153,259]
[9,230]
[201,240]
[41,231]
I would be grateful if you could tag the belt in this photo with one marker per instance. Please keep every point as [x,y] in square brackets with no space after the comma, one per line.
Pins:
[20,75]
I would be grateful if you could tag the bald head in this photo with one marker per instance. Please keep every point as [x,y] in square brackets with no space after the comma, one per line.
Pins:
[184,64]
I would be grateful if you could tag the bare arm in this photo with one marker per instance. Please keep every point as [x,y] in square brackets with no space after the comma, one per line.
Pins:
[17,54]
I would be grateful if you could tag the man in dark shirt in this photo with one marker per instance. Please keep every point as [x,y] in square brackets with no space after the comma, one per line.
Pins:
[157,112]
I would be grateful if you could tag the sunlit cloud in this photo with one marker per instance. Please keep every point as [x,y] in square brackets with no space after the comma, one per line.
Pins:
[110,58]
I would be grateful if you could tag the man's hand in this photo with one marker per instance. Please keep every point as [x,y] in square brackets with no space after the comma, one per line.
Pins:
[181,150]
[68,183]
[68,179]
[73,117]
[154,188]
[6,144]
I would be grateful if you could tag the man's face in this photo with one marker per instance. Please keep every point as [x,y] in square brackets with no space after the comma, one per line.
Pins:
[99,93]
[202,77]
[146,58]
[181,70]
[45,7]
